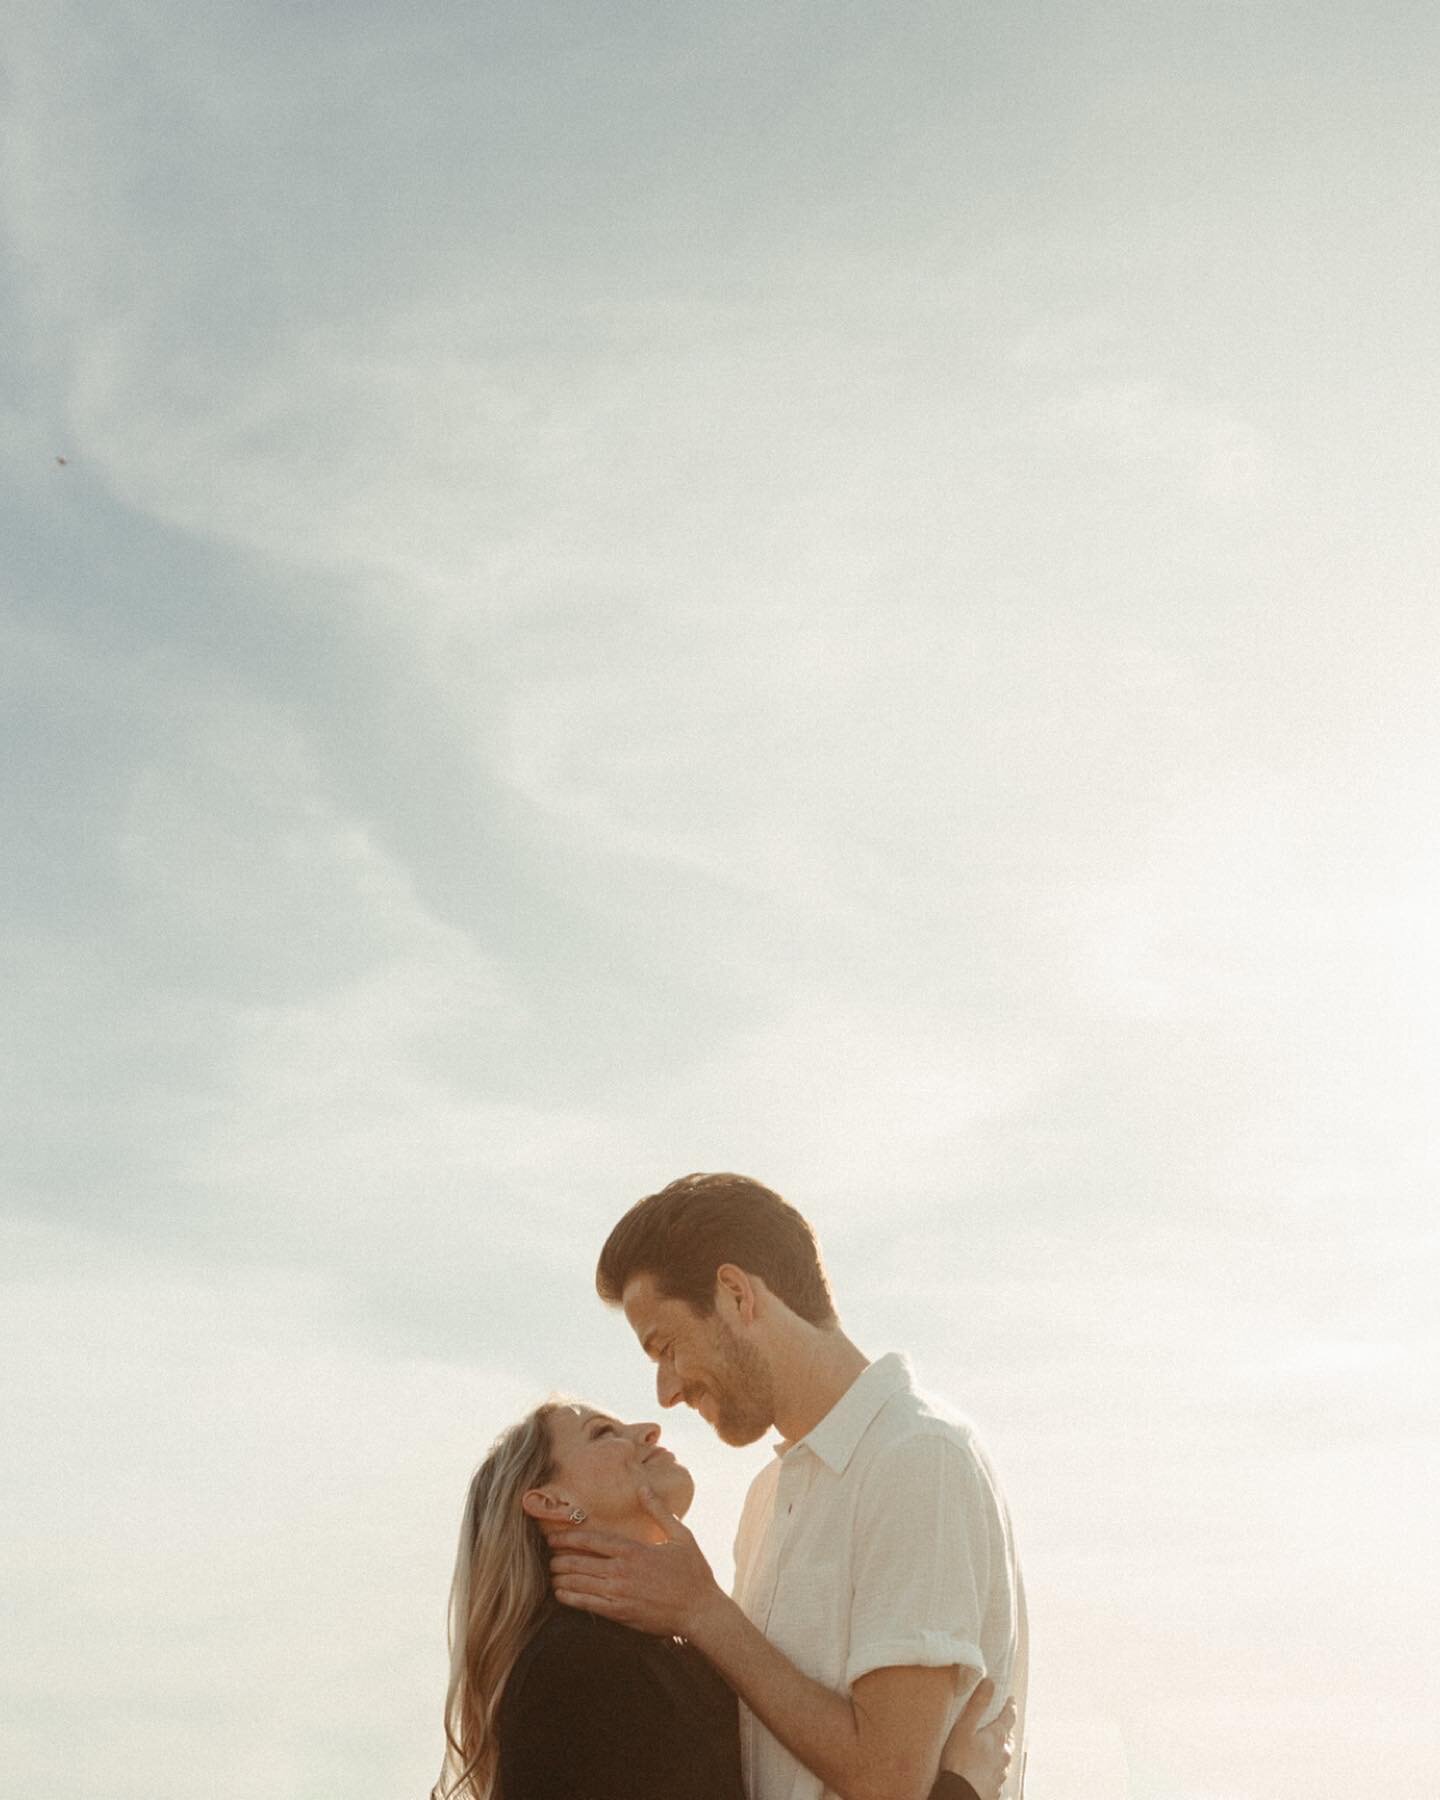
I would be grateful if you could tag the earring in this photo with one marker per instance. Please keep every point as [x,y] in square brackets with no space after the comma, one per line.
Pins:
[576,1515]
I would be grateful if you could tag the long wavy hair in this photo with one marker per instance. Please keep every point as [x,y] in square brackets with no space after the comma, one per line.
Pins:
[502,1581]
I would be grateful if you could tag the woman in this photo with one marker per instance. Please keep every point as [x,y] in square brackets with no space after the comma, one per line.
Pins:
[547,1703]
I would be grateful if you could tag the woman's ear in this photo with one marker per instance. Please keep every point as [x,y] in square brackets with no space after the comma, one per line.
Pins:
[545,1508]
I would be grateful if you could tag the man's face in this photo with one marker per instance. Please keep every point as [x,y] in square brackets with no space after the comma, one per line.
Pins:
[703,1361]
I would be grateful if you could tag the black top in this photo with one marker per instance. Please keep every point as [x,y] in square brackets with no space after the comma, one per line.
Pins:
[596,1711]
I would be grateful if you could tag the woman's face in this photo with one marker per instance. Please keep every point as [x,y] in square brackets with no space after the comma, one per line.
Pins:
[601,1466]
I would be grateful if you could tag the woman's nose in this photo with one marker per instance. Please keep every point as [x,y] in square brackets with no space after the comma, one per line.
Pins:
[648,1433]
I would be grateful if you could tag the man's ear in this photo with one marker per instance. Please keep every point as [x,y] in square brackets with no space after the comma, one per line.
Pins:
[736,1293]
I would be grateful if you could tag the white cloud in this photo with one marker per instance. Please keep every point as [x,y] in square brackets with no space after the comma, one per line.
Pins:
[1158,436]
[1222,914]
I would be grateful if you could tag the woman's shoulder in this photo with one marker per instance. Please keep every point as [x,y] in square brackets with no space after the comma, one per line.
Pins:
[595,1709]
[567,1630]
[571,1649]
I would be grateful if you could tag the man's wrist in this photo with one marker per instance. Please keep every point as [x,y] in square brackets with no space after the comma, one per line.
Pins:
[711,1622]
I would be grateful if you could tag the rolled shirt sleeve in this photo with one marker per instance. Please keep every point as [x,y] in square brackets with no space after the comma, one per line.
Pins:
[928,1547]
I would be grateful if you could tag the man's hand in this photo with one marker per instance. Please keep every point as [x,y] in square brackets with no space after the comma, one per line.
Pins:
[666,1589]
[981,1753]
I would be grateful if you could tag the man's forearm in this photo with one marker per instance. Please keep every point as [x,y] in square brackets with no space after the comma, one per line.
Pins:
[818,1726]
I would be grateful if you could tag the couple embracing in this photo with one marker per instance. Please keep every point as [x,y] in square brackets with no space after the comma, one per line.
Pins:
[876,1640]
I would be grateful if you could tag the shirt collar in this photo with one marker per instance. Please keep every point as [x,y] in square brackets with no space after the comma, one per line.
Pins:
[835,1438]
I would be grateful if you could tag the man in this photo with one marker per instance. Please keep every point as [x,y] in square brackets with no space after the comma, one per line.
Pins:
[875,1574]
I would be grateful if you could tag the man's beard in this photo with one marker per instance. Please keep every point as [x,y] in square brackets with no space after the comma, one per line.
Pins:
[741,1390]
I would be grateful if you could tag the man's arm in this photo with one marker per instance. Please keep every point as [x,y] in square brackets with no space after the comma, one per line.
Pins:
[880,1742]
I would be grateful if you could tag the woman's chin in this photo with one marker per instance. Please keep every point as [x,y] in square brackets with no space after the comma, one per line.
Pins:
[675,1488]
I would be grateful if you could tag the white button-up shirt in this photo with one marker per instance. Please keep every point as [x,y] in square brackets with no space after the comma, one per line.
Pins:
[879,1540]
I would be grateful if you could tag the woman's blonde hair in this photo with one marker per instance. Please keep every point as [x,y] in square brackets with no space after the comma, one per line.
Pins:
[502,1581]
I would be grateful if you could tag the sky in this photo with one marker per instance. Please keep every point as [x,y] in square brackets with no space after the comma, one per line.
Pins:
[843,592]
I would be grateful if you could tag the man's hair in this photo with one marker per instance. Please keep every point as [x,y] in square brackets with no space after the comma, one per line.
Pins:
[681,1236]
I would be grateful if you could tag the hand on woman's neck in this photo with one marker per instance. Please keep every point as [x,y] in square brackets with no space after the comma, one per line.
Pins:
[638,1530]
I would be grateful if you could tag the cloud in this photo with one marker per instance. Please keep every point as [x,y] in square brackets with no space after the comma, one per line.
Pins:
[1160,436]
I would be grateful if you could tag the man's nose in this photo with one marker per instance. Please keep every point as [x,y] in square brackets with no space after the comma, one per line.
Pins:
[667,1389]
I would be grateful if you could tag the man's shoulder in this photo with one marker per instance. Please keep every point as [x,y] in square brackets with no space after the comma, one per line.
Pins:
[917,1437]
[911,1415]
